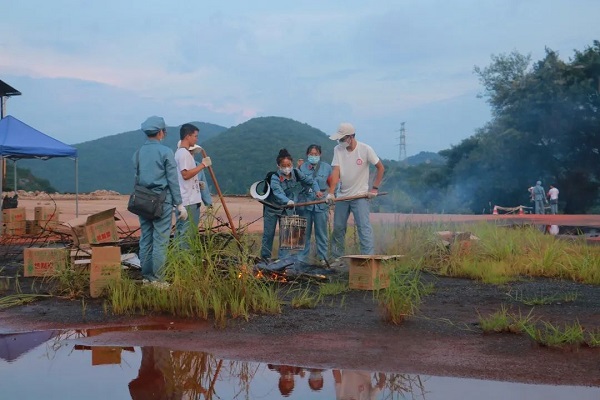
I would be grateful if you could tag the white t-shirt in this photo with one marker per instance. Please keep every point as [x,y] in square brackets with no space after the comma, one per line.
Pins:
[553,193]
[354,168]
[356,385]
[190,189]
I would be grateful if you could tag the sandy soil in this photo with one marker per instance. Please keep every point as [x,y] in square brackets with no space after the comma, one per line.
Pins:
[247,212]
[348,331]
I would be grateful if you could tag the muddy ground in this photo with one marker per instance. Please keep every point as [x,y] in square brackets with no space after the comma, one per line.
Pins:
[347,331]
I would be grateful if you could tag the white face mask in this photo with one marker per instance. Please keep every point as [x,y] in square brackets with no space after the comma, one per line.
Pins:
[345,144]
[286,171]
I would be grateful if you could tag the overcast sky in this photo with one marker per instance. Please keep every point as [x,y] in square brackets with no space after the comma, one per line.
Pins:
[89,69]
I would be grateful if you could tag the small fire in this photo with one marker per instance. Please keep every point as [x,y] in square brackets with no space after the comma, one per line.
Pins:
[272,276]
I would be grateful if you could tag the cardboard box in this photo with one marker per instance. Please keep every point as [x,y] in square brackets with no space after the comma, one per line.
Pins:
[105,268]
[18,214]
[46,224]
[46,214]
[31,227]
[94,229]
[44,261]
[101,228]
[81,257]
[369,272]
[14,228]
[104,355]
[40,227]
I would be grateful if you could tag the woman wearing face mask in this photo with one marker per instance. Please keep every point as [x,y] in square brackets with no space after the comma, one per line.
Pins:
[315,214]
[286,184]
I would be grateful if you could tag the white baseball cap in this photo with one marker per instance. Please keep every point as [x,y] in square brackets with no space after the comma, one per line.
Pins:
[260,193]
[345,129]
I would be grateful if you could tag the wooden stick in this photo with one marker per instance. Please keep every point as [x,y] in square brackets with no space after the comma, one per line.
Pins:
[214,178]
[310,203]
[358,196]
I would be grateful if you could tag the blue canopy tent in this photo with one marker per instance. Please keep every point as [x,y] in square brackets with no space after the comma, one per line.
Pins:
[19,140]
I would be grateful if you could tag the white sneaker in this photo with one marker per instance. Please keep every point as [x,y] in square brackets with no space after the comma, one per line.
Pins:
[337,263]
[160,285]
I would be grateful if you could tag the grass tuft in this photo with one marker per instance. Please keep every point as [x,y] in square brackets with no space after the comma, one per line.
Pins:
[405,293]
[210,275]
[505,321]
[554,336]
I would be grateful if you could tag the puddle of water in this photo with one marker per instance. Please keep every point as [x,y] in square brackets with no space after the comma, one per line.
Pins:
[48,365]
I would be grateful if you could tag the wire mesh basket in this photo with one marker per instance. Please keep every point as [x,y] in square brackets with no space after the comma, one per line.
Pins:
[292,232]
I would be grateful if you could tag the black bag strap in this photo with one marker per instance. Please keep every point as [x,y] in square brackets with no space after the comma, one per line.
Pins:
[316,169]
[137,167]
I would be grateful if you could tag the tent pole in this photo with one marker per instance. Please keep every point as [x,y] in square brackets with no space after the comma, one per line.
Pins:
[15,173]
[1,178]
[76,187]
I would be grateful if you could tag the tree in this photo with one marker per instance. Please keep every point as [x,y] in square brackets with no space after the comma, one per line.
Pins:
[545,127]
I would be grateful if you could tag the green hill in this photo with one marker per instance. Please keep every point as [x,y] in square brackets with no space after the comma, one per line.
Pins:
[241,155]
[426,157]
[105,163]
[245,153]
[25,180]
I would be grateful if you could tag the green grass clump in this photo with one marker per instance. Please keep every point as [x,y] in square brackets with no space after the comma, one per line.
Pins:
[496,322]
[554,336]
[497,256]
[304,298]
[405,293]
[542,332]
[19,299]
[593,338]
[69,281]
[209,275]
[332,288]
[4,283]
[505,321]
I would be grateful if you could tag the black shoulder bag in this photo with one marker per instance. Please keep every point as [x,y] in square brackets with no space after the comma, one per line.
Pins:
[143,201]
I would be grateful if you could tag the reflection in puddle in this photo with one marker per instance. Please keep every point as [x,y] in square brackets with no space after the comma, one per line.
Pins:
[47,365]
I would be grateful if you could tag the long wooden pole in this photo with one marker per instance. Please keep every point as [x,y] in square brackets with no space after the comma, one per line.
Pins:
[358,196]
[310,203]
[214,178]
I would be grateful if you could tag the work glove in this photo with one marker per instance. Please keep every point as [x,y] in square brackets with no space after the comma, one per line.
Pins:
[183,215]
[370,195]
[330,199]
[207,162]
[290,203]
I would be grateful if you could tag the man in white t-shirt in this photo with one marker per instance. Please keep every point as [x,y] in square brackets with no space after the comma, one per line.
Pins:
[357,385]
[351,160]
[553,196]
[189,183]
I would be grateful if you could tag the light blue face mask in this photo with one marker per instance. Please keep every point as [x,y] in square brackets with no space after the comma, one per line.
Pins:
[314,159]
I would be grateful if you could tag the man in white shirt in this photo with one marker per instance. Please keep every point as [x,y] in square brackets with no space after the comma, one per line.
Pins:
[553,195]
[189,183]
[357,385]
[351,160]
